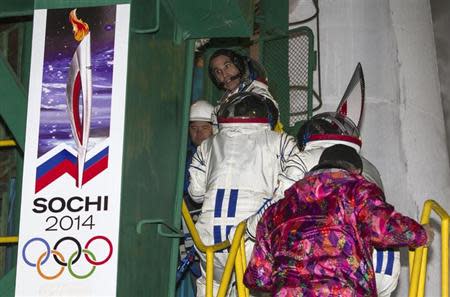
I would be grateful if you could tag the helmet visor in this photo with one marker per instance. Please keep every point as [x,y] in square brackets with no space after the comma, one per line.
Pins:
[244,107]
[328,126]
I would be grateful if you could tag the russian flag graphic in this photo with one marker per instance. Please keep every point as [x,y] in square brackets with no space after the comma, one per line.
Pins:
[66,162]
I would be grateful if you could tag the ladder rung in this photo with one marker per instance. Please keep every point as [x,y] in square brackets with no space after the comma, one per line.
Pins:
[6,143]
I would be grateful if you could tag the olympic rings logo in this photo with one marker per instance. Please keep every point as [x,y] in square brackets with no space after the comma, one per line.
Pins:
[73,258]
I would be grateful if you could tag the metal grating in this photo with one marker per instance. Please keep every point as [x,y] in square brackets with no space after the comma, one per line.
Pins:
[276,64]
[290,62]
[299,60]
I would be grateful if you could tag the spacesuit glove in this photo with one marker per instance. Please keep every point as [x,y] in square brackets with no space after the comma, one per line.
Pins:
[430,234]
[252,221]
[250,230]
[230,236]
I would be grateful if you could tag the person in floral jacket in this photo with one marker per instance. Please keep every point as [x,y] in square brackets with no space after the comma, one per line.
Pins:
[318,240]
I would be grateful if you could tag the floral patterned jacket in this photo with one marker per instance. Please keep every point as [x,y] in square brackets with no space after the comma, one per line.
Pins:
[318,240]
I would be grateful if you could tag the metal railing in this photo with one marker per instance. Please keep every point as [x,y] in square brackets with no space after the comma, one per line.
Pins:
[7,143]
[236,257]
[8,239]
[418,258]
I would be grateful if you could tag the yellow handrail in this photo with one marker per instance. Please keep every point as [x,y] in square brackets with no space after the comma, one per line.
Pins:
[4,143]
[236,257]
[231,260]
[418,258]
[208,250]
[241,264]
[9,239]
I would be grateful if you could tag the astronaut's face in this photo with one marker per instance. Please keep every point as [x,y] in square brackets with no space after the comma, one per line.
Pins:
[226,72]
[199,131]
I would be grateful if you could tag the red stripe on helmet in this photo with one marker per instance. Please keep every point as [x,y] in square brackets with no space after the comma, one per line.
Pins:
[243,120]
[347,138]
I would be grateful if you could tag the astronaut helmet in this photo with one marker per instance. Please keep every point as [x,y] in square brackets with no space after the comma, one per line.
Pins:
[245,107]
[328,126]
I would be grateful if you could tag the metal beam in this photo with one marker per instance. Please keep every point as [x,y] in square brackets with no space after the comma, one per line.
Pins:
[13,104]
[15,8]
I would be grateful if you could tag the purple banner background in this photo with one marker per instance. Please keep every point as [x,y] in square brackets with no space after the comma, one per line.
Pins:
[60,46]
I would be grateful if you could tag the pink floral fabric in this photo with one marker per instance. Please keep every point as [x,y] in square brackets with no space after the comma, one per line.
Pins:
[318,240]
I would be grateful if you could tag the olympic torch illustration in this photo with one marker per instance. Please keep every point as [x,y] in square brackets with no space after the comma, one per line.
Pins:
[79,82]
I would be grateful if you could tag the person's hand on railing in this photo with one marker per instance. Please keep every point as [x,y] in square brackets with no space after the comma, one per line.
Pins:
[430,234]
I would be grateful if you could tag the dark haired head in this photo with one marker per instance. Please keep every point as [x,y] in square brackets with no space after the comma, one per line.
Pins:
[340,156]
[237,59]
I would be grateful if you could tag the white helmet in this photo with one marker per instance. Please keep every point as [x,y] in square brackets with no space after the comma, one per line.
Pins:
[201,111]
[328,126]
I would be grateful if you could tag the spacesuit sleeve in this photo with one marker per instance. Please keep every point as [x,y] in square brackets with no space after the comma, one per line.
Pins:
[292,166]
[259,88]
[197,172]
[382,225]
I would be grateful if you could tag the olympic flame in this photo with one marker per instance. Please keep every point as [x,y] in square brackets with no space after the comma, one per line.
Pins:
[79,28]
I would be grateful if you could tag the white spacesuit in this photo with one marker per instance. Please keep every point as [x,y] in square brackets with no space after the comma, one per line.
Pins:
[239,170]
[325,130]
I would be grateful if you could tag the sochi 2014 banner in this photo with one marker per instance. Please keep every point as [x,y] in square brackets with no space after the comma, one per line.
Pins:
[70,207]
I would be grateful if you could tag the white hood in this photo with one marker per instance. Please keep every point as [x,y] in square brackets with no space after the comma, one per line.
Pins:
[242,128]
[323,144]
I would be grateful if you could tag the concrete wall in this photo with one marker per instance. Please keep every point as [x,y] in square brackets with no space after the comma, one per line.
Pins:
[403,127]
[440,10]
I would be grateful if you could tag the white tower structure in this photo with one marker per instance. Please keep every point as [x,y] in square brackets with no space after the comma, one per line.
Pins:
[403,127]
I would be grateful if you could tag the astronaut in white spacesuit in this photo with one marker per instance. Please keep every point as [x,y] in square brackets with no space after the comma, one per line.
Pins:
[233,73]
[237,171]
[325,130]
